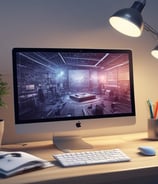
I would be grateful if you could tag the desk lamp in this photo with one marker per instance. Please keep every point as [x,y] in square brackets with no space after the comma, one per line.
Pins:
[129,21]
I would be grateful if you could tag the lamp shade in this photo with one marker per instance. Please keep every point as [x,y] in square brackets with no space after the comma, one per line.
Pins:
[129,21]
[154,52]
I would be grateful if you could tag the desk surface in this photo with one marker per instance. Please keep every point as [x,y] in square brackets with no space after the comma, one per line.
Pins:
[138,167]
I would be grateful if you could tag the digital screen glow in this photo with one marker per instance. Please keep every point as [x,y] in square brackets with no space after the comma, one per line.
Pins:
[54,84]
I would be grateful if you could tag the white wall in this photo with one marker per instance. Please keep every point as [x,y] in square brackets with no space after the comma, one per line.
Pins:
[78,24]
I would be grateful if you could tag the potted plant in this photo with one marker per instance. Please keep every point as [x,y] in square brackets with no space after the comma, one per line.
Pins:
[3,92]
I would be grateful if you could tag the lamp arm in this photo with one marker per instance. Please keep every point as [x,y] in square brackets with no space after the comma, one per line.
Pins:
[144,2]
[138,5]
[149,28]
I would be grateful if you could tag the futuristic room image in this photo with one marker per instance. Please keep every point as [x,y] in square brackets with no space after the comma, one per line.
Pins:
[69,84]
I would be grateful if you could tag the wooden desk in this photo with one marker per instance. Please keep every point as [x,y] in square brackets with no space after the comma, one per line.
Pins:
[141,169]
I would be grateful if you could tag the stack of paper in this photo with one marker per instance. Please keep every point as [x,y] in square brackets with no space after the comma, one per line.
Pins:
[12,163]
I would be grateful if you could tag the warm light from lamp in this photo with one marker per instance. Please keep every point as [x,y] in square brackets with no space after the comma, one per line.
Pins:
[126,27]
[154,52]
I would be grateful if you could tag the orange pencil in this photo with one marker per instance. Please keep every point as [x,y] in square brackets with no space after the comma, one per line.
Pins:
[156,110]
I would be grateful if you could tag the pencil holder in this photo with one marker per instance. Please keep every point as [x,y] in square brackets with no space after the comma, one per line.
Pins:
[153,129]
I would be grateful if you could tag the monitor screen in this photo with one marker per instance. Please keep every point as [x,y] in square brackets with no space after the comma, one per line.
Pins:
[57,86]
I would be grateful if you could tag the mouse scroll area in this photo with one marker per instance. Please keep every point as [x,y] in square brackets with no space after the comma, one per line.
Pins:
[147,150]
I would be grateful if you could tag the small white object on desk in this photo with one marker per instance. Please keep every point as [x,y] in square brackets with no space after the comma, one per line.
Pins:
[12,163]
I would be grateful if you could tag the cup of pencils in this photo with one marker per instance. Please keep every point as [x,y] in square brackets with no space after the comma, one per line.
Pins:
[153,121]
[153,129]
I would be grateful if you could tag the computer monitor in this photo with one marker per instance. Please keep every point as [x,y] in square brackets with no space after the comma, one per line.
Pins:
[64,91]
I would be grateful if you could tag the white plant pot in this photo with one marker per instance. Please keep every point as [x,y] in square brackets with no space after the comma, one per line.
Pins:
[1,130]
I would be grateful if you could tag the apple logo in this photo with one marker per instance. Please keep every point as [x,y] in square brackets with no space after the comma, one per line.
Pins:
[78,124]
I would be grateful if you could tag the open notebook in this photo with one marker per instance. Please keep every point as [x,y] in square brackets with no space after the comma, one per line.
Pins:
[12,163]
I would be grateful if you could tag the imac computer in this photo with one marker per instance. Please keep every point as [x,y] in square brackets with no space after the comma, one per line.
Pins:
[65,90]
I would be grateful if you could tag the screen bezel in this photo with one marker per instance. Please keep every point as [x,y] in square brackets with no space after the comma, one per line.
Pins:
[16,107]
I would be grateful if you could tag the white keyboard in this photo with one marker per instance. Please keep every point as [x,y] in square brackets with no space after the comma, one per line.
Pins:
[91,157]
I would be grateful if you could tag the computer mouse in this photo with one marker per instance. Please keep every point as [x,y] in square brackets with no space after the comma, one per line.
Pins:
[147,150]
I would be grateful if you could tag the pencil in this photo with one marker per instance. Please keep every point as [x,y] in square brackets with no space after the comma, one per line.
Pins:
[156,110]
[150,109]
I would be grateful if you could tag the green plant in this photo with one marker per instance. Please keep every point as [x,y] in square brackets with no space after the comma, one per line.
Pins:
[3,90]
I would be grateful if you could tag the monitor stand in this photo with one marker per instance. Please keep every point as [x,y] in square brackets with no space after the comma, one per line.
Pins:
[70,143]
